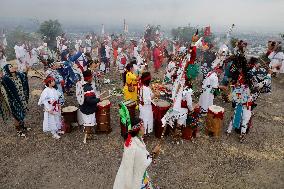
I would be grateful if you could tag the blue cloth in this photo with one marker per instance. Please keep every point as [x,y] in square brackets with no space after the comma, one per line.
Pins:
[17,108]
[238,114]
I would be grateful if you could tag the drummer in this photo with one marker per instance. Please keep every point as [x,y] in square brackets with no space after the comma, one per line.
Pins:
[89,107]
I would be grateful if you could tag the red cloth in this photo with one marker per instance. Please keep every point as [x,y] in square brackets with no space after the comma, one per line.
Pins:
[157,58]
[123,60]
[192,55]
[207,31]
[219,115]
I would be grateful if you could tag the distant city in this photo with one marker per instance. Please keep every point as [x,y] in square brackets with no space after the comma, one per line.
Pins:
[257,41]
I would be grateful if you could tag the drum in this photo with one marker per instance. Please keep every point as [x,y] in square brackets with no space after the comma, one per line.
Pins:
[131,106]
[103,117]
[160,108]
[214,120]
[70,114]
[191,129]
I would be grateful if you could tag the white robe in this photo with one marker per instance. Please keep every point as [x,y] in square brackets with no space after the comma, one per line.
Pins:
[206,98]
[187,96]
[135,161]
[119,64]
[52,121]
[20,52]
[146,113]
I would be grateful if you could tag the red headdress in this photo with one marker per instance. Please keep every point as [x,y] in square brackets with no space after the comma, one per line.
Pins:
[48,79]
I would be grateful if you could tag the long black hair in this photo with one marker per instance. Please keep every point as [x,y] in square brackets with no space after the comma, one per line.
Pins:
[127,69]
[146,78]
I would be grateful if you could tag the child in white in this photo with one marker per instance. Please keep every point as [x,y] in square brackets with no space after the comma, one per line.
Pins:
[145,105]
[52,113]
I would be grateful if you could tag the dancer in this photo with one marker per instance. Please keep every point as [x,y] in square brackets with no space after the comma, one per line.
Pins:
[49,98]
[17,89]
[132,173]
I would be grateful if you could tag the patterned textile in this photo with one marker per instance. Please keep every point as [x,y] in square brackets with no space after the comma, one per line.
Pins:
[4,104]
[17,90]
[146,182]
[260,80]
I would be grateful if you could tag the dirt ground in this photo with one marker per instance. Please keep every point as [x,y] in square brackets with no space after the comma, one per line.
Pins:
[39,161]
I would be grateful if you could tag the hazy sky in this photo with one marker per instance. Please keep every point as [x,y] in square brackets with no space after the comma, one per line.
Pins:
[265,15]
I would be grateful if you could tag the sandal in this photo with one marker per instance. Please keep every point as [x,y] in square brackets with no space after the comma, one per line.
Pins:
[21,134]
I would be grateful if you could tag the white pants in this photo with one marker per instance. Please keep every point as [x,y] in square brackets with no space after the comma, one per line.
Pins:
[245,120]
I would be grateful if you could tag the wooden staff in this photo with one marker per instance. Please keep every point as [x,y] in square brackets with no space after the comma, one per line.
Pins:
[102,93]
[38,73]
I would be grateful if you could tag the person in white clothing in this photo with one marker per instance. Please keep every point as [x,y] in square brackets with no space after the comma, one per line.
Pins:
[52,109]
[132,173]
[21,57]
[145,102]
[210,84]
[277,60]
[121,60]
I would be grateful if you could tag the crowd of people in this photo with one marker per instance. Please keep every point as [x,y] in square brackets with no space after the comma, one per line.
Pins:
[231,73]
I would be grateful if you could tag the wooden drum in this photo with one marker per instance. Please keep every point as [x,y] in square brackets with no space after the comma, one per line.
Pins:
[214,120]
[69,114]
[131,106]
[160,108]
[103,117]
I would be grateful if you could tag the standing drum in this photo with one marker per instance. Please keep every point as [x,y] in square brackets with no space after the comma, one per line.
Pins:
[131,106]
[160,108]
[69,114]
[103,117]
[214,120]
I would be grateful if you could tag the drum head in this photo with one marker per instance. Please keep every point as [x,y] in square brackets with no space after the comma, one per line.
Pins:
[161,103]
[104,103]
[69,109]
[80,92]
[216,109]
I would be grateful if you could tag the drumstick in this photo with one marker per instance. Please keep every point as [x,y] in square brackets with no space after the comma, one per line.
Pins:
[37,72]
[102,93]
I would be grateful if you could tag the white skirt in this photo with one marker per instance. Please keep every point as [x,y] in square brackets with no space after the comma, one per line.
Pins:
[89,120]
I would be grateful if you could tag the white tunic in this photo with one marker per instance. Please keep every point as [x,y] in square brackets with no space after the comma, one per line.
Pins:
[52,121]
[206,98]
[146,113]
[135,161]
